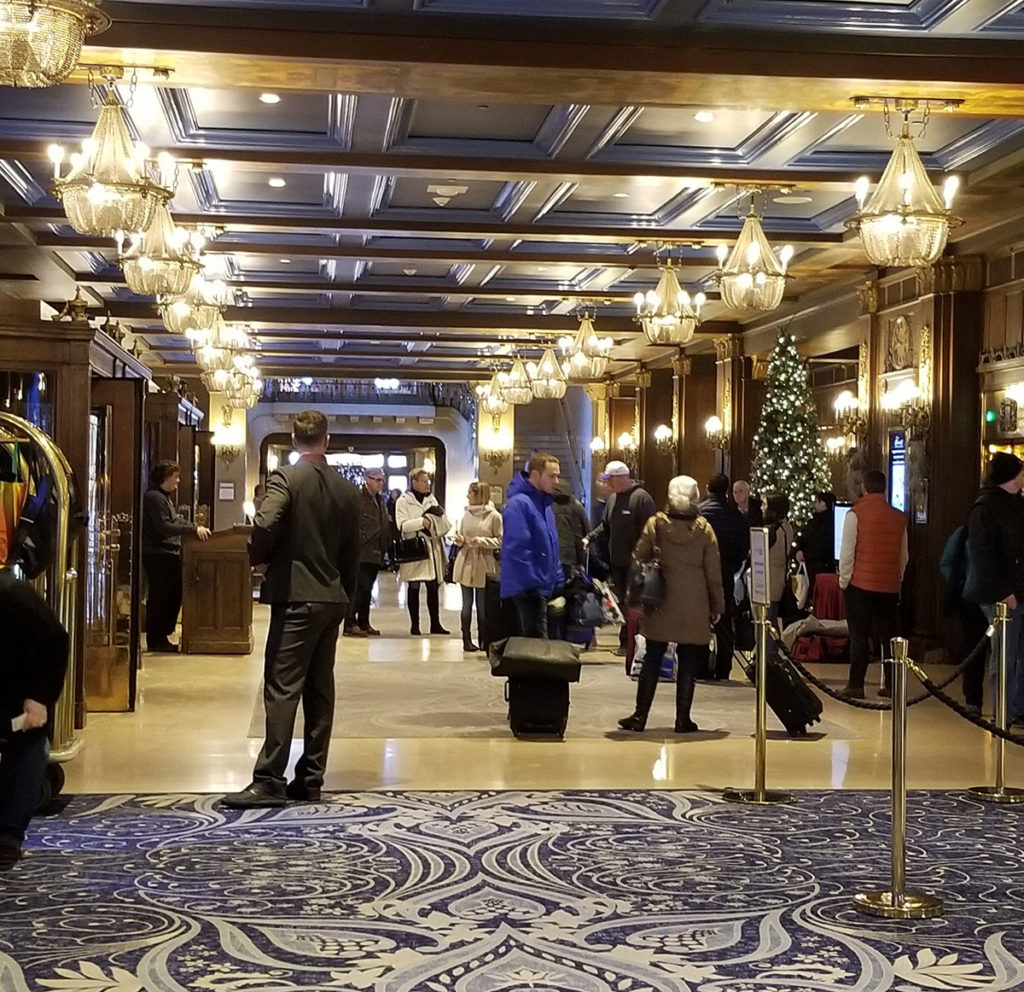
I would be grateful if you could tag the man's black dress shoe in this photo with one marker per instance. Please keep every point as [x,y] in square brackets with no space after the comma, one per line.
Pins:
[255,796]
[300,793]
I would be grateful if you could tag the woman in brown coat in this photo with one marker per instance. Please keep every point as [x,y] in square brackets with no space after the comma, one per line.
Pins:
[694,600]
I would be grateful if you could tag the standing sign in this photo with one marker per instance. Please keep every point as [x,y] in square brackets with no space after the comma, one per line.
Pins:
[760,579]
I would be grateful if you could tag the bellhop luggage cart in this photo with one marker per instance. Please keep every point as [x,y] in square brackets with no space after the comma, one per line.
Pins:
[57,584]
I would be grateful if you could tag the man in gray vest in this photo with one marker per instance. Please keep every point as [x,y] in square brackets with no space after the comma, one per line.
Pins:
[628,508]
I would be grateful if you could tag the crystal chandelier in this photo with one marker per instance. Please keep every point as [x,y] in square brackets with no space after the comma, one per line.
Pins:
[587,354]
[196,309]
[666,314]
[547,380]
[245,388]
[905,222]
[160,261]
[492,402]
[224,351]
[751,276]
[41,40]
[108,187]
[515,384]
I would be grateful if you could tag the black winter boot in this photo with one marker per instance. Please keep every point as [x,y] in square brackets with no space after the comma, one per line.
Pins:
[684,699]
[646,687]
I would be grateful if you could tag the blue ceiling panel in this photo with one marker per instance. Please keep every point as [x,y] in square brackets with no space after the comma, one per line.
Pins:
[221,189]
[1008,21]
[829,15]
[237,119]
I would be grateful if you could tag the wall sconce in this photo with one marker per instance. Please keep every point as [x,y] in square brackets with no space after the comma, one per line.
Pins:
[905,399]
[496,448]
[849,421]
[225,439]
[714,431]
[664,440]
[227,453]
[836,447]
[628,448]
[597,445]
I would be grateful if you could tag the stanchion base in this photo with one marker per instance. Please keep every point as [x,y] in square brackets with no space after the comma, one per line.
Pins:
[913,906]
[990,794]
[750,796]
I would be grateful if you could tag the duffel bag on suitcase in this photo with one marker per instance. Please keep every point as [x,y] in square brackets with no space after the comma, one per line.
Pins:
[789,697]
[535,657]
[537,705]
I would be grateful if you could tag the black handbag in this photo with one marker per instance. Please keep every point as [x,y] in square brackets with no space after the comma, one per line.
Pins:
[410,549]
[647,584]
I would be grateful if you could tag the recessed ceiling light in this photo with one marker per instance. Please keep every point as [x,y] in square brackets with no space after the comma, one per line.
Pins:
[792,198]
[285,261]
[277,182]
[269,98]
[704,116]
[542,268]
[510,299]
[620,196]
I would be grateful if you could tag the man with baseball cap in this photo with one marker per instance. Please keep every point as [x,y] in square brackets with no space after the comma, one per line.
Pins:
[628,508]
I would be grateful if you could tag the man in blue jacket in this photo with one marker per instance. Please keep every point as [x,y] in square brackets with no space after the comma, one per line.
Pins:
[530,568]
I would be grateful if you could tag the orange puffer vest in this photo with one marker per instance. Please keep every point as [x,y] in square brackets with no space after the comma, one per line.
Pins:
[880,529]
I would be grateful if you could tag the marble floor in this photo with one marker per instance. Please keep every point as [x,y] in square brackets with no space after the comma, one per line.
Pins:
[188,734]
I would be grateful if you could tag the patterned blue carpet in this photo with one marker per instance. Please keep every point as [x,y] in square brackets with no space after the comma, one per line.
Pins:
[509,892]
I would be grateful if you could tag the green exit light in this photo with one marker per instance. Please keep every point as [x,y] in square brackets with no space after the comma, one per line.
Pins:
[990,416]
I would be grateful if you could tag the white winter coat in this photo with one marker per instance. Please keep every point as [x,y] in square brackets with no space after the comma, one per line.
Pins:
[474,564]
[410,518]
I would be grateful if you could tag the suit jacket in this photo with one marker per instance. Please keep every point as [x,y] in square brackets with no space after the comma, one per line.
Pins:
[307,533]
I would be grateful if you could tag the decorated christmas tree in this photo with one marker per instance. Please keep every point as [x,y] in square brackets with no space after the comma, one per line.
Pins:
[788,454]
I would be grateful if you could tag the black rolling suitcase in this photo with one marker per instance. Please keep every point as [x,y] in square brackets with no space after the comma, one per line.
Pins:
[538,672]
[537,706]
[789,697]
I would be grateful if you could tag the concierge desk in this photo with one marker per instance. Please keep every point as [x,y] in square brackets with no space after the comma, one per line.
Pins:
[216,607]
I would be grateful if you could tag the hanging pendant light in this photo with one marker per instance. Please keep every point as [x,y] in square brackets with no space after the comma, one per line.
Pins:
[194,312]
[751,276]
[587,354]
[905,222]
[245,388]
[41,40]
[666,314]
[547,380]
[108,187]
[492,402]
[515,384]
[159,262]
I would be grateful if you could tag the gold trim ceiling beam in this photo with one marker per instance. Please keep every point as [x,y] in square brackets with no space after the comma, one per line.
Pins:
[454,255]
[506,59]
[408,286]
[626,234]
[469,167]
[332,370]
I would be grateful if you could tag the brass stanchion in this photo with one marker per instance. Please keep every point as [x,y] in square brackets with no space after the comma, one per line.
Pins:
[760,794]
[898,903]
[999,793]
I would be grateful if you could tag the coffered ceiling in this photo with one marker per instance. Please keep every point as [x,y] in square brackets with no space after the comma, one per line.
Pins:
[442,180]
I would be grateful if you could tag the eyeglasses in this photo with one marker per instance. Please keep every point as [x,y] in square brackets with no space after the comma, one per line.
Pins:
[375,478]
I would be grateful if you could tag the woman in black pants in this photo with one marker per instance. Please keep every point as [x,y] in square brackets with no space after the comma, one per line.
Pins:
[162,527]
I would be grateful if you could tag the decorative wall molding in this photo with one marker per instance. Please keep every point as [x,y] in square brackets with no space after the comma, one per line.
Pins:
[899,345]
[953,274]
[728,347]
[867,296]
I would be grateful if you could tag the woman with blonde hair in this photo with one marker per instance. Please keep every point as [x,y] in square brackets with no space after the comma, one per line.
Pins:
[694,600]
[478,537]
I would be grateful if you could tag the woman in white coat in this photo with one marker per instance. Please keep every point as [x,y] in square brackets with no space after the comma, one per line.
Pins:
[418,512]
[478,536]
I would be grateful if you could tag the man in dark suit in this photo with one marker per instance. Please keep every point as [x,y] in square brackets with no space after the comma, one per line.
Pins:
[305,540]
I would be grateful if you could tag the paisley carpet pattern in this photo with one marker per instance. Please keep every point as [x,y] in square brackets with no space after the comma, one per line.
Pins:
[653,891]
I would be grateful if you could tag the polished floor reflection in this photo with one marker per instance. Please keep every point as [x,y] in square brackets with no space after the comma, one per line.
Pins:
[189,731]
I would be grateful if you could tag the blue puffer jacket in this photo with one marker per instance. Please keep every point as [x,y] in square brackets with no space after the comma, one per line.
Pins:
[529,542]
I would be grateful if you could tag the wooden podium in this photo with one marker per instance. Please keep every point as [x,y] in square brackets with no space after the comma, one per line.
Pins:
[216,607]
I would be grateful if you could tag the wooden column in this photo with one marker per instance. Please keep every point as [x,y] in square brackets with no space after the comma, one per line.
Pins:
[699,390]
[658,466]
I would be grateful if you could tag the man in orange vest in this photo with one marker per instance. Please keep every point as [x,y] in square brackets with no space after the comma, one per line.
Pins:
[872,559]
